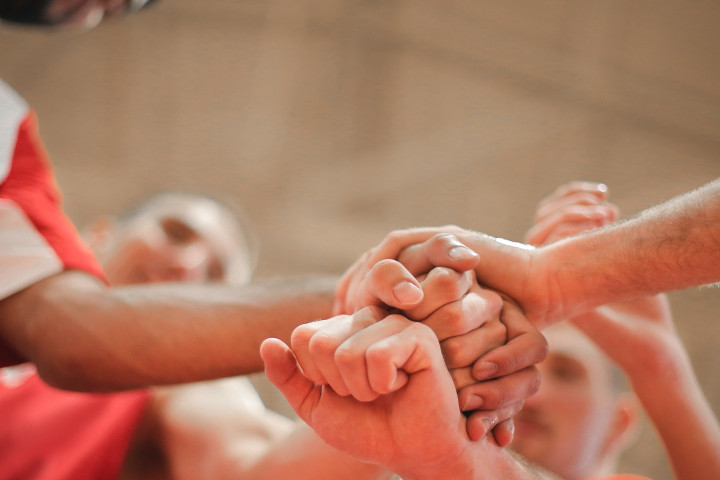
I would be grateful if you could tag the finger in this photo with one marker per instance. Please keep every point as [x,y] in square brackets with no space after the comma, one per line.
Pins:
[440,287]
[475,309]
[464,350]
[389,248]
[504,432]
[352,275]
[526,346]
[599,190]
[353,357]
[398,240]
[300,343]
[388,284]
[442,250]
[500,392]
[480,423]
[324,342]
[579,198]
[393,359]
[462,377]
[283,371]
[596,216]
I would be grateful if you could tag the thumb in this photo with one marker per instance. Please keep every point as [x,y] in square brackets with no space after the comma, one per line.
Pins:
[283,371]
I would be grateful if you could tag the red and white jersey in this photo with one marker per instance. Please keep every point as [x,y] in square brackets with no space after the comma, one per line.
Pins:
[47,434]
[37,240]
[50,434]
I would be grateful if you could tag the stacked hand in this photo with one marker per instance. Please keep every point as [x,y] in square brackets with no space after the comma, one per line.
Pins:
[412,346]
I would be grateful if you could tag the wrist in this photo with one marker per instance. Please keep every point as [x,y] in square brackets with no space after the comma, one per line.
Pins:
[459,466]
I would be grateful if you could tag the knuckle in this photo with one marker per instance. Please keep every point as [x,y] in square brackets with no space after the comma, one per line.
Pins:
[368,315]
[454,353]
[301,336]
[453,319]
[439,240]
[321,345]
[492,399]
[418,328]
[445,281]
[345,356]
[496,332]
[494,301]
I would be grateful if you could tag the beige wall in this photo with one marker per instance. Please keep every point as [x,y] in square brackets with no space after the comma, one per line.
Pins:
[335,121]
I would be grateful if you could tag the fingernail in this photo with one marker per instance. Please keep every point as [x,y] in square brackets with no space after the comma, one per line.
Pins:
[485,370]
[473,402]
[489,423]
[406,292]
[461,253]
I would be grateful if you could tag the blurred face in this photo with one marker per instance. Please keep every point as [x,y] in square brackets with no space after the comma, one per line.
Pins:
[176,239]
[564,427]
[73,13]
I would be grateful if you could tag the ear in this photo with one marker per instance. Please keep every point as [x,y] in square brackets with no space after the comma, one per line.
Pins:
[623,430]
[99,233]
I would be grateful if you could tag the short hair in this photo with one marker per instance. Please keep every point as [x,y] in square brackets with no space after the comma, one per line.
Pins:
[231,210]
[29,12]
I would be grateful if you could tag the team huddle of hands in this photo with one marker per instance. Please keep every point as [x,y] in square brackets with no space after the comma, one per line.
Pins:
[421,362]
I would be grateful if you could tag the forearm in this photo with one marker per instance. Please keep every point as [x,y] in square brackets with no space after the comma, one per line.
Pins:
[304,456]
[672,246]
[483,462]
[86,337]
[675,404]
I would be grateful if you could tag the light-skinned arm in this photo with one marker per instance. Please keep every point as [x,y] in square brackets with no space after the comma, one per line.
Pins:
[670,246]
[640,337]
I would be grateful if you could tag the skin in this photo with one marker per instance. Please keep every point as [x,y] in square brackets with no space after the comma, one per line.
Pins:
[671,246]
[639,336]
[399,361]
[494,383]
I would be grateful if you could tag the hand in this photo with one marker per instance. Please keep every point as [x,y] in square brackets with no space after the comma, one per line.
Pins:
[468,325]
[403,410]
[489,347]
[573,208]
[516,269]
[360,286]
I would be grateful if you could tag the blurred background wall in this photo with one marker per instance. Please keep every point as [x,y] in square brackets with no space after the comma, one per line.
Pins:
[336,121]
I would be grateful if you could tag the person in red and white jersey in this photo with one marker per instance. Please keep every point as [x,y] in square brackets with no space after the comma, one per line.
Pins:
[51,434]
